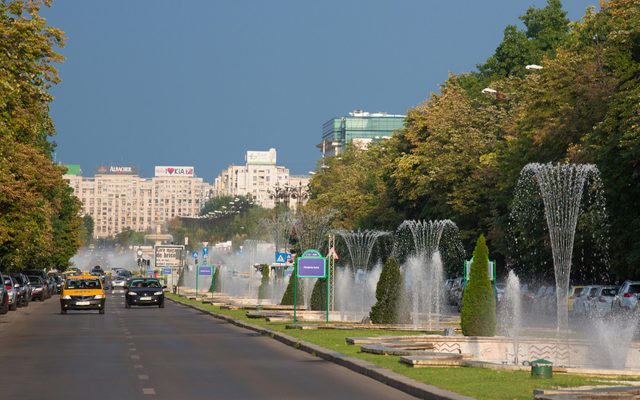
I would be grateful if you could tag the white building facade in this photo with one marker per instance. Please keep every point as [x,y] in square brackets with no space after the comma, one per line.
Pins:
[117,198]
[261,178]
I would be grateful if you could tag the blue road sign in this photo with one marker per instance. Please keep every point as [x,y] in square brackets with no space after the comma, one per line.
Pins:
[282,258]
[166,271]
[194,254]
[205,251]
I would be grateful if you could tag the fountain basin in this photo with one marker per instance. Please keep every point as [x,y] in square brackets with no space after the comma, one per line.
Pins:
[571,354]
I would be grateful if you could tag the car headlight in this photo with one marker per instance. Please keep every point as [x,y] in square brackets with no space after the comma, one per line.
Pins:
[158,293]
[132,294]
[98,296]
[66,297]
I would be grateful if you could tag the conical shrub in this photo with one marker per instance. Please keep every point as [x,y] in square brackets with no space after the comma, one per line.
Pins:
[387,294]
[478,316]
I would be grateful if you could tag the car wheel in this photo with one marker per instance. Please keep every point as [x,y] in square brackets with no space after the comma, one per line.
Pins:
[5,305]
[63,311]
[126,304]
[101,311]
[14,306]
[161,305]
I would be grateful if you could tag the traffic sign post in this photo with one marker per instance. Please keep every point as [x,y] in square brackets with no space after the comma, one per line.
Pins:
[204,270]
[310,265]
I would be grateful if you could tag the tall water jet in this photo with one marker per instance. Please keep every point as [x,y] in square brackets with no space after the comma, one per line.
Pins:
[510,311]
[561,188]
[360,244]
[424,276]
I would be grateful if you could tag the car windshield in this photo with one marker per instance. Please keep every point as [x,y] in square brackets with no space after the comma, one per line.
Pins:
[82,284]
[140,283]
[7,280]
[609,292]
[577,291]
[18,279]
[36,280]
[593,291]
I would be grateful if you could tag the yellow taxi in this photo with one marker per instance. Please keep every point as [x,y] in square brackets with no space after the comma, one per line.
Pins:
[82,292]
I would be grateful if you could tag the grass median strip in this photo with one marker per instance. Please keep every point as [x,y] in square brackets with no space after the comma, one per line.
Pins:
[479,383]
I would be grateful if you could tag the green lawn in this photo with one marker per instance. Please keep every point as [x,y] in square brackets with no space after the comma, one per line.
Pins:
[479,383]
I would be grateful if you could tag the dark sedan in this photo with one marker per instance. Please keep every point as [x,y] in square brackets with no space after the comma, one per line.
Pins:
[144,292]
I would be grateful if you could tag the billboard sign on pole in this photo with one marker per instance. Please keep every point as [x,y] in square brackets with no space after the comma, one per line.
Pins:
[168,255]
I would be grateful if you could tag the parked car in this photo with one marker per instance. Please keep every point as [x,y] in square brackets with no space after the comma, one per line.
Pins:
[574,292]
[4,297]
[39,288]
[23,287]
[144,292]
[581,303]
[627,297]
[9,285]
[600,304]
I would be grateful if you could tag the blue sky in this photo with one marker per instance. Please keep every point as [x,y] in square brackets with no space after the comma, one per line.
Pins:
[199,82]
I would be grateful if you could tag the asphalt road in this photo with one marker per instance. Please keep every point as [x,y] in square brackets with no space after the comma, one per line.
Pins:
[150,353]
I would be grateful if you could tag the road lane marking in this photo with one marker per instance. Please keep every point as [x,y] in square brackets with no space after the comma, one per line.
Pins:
[133,349]
[135,357]
[148,391]
[137,366]
[143,377]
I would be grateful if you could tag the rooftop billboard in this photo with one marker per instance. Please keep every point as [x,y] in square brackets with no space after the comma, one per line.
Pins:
[73,169]
[262,157]
[116,170]
[174,171]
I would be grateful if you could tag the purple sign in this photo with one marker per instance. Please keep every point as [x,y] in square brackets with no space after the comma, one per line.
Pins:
[314,267]
[204,271]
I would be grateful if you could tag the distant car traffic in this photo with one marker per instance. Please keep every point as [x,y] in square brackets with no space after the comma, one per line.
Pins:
[144,292]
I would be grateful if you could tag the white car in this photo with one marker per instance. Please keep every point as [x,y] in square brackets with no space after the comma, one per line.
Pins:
[627,297]
[10,287]
[600,304]
[118,283]
[581,303]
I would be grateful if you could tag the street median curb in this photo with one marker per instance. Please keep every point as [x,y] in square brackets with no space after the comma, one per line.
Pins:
[383,375]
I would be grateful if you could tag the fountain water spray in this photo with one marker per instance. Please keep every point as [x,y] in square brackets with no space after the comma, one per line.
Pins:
[561,187]
[510,312]
[424,276]
[360,244]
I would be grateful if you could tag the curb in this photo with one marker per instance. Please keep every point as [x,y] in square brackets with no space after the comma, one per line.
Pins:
[383,375]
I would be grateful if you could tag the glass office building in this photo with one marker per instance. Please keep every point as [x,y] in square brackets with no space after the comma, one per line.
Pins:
[359,128]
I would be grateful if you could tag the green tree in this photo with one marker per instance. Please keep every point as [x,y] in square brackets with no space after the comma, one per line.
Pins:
[216,281]
[387,294]
[478,315]
[287,297]
[319,295]
[263,289]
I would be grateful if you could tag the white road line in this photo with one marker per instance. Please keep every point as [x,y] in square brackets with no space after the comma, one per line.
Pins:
[135,357]
[149,391]
[137,366]
[143,377]
[133,349]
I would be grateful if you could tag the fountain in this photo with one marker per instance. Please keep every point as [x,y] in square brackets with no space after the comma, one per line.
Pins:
[360,245]
[424,276]
[510,312]
[561,187]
